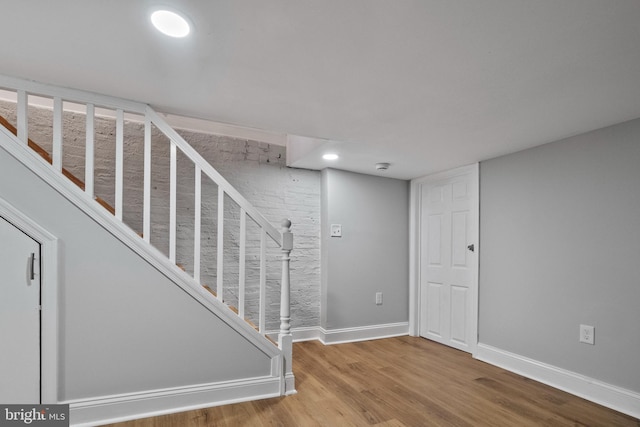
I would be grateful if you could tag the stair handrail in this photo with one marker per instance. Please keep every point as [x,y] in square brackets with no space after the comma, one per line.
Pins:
[215,176]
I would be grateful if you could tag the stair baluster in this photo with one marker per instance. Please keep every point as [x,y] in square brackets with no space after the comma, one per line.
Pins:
[56,150]
[89,151]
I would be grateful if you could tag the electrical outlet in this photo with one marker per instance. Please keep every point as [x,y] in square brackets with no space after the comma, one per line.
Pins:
[378,298]
[336,230]
[587,334]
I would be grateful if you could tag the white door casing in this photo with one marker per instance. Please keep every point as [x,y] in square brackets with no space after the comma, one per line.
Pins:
[19,316]
[444,289]
[48,278]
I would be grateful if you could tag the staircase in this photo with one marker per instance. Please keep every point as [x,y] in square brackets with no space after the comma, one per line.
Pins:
[83,193]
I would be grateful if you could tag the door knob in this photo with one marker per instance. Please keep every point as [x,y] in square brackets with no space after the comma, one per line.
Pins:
[471,247]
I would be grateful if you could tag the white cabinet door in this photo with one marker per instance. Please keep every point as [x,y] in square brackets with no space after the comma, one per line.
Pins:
[448,224]
[19,316]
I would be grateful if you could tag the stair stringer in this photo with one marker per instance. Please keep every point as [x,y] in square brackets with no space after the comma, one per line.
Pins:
[91,411]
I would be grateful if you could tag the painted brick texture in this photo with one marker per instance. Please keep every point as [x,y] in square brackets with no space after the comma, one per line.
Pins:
[256,169]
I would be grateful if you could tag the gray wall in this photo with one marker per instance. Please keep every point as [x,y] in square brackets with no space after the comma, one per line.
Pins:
[560,247]
[372,254]
[124,327]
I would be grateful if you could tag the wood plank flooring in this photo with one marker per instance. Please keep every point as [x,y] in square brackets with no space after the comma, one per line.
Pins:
[404,381]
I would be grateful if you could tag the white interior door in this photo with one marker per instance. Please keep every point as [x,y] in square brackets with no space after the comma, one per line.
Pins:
[19,316]
[448,262]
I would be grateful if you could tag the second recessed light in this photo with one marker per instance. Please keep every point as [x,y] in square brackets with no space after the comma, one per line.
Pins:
[330,156]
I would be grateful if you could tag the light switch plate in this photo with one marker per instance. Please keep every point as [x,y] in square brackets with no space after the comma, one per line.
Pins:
[336,230]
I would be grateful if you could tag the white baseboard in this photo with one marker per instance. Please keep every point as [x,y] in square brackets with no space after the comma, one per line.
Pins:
[364,333]
[307,334]
[118,408]
[616,398]
[345,335]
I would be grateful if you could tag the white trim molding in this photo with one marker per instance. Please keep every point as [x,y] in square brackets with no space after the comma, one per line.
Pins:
[614,397]
[129,406]
[48,295]
[347,335]
[364,333]
[306,334]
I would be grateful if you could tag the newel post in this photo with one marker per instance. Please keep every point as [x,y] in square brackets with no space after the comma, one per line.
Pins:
[285,339]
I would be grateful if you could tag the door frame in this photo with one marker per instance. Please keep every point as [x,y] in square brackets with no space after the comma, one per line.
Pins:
[414,247]
[49,336]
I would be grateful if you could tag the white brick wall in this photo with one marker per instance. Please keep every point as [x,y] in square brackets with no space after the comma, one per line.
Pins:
[257,170]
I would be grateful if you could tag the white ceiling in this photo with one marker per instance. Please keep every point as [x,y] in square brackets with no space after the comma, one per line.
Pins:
[426,85]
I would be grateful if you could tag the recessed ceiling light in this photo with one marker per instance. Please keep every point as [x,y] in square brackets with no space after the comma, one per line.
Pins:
[330,156]
[170,23]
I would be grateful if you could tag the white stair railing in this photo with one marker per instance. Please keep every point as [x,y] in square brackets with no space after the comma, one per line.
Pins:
[22,91]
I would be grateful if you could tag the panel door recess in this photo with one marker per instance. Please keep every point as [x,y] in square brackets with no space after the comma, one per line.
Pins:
[19,316]
[446,264]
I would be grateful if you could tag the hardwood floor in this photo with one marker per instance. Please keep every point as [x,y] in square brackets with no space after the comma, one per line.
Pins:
[403,381]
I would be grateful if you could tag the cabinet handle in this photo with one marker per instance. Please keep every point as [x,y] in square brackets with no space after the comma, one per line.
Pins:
[32,262]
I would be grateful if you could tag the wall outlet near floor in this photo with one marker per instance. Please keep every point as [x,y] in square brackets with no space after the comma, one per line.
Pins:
[378,298]
[336,230]
[587,334]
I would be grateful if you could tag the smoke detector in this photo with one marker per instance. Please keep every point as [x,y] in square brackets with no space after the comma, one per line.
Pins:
[382,166]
